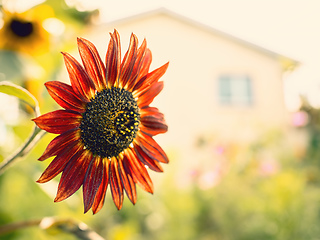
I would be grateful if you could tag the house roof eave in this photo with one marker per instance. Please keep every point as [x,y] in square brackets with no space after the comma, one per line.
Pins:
[287,63]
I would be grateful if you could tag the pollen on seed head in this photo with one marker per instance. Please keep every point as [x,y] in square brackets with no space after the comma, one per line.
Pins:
[110,122]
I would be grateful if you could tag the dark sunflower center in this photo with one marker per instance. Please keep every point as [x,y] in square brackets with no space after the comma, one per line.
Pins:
[110,122]
[21,28]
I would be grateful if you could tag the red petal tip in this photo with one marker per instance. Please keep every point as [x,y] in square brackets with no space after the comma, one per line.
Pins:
[80,39]
[57,199]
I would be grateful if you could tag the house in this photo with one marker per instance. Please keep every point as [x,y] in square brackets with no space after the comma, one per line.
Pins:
[216,84]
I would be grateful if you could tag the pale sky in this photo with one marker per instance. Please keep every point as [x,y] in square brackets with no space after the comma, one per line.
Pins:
[288,27]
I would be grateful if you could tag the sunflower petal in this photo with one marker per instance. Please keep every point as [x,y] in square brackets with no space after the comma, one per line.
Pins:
[151,148]
[101,193]
[113,59]
[146,63]
[144,69]
[128,61]
[92,63]
[138,65]
[73,175]
[80,81]
[58,144]
[153,124]
[127,182]
[58,121]
[64,95]
[147,97]
[138,171]
[151,111]
[92,182]
[145,159]
[115,184]
[59,162]
[150,79]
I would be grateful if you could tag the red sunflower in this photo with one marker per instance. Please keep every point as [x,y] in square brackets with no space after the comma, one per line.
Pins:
[107,126]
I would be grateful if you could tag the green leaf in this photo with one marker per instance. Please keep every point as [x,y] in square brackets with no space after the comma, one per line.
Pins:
[21,93]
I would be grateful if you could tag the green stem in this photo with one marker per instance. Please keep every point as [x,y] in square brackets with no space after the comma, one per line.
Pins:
[11,227]
[36,135]
[52,224]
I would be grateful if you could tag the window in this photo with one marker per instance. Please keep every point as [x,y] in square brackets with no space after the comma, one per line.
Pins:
[235,90]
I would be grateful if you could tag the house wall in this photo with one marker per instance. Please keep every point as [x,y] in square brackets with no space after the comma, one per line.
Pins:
[197,58]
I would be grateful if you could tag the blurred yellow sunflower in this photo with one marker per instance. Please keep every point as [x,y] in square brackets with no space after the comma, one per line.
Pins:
[24,32]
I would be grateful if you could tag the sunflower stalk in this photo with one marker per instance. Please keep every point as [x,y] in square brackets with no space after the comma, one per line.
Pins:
[54,226]
[25,96]
[35,136]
